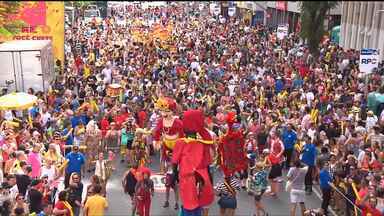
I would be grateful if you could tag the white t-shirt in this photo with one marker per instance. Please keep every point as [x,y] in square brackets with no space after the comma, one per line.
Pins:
[13,191]
[45,117]
[107,75]
[49,172]
[310,97]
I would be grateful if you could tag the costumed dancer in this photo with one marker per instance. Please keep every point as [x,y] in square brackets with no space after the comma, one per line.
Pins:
[192,156]
[231,149]
[168,130]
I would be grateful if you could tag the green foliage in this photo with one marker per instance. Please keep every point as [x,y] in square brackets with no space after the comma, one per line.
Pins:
[79,4]
[313,14]
[7,9]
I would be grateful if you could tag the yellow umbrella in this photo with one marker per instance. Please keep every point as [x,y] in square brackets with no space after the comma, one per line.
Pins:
[17,101]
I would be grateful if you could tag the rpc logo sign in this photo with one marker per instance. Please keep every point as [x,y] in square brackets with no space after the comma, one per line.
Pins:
[369,59]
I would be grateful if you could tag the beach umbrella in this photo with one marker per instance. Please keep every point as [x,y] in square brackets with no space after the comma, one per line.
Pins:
[17,101]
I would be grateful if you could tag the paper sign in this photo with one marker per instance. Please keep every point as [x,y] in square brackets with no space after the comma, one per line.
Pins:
[231,11]
[282,31]
[158,182]
[369,59]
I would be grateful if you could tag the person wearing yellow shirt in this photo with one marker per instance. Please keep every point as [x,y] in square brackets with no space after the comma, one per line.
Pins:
[96,204]
[87,71]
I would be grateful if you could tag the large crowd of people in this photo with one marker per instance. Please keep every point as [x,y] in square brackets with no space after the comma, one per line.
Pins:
[304,116]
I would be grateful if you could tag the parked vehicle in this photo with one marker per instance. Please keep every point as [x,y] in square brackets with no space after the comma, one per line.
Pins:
[26,64]
[89,15]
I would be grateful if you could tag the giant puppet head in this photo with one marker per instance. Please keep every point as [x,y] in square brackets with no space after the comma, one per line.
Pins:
[167,106]
[193,123]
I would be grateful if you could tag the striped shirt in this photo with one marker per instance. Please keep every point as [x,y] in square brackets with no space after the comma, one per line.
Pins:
[223,189]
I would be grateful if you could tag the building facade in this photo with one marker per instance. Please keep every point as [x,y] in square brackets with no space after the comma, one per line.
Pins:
[362,25]
[274,13]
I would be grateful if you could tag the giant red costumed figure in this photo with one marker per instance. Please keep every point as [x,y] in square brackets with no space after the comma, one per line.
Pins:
[231,149]
[168,130]
[192,156]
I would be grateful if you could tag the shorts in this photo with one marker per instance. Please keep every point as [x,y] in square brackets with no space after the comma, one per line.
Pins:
[297,196]
[227,202]
[258,195]
[129,144]
[275,171]
[169,181]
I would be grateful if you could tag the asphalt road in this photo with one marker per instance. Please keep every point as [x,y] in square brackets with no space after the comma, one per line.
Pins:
[120,204]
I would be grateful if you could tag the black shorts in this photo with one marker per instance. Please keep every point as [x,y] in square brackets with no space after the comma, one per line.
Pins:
[170,181]
[275,171]
[259,195]
[129,144]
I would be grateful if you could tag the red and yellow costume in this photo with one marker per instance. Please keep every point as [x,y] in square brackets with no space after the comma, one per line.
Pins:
[231,148]
[168,135]
[192,155]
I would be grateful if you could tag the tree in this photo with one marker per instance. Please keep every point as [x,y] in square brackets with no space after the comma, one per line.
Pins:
[313,14]
[9,26]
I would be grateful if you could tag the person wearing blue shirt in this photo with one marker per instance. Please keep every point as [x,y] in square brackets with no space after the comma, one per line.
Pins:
[289,139]
[67,135]
[75,162]
[75,119]
[308,157]
[297,82]
[325,179]
[84,118]
[34,111]
[279,85]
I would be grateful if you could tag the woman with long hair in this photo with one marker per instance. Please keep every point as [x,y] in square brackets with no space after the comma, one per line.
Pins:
[62,207]
[92,141]
[75,192]
[95,180]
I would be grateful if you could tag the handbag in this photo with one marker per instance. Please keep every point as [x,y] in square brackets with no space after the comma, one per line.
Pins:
[288,185]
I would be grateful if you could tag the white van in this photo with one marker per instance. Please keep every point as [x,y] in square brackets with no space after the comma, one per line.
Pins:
[90,14]
[26,64]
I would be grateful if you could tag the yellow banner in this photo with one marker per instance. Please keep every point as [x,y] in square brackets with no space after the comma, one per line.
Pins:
[29,20]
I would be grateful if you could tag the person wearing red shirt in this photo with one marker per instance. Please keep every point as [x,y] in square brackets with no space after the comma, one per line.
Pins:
[142,118]
[368,204]
[104,126]
[62,206]
[121,117]
[275,158]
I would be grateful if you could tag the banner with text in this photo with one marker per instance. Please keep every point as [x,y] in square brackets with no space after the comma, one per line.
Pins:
[369,59]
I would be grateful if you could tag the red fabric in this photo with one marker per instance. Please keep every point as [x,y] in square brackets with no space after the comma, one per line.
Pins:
[369,211]
[60,205]
[78,62]
[276,148]
[231,148]
[144,203]
[120,119]
[142,115]
[193,121]
[143,207]
[192,161]
[104,125]
[303,71]
[171,104]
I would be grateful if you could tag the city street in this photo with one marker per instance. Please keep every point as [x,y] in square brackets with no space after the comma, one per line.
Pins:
[120,204]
